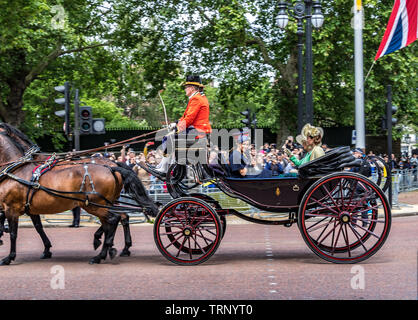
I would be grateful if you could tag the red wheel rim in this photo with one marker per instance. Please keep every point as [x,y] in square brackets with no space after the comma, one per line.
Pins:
[187,232]
[348,224]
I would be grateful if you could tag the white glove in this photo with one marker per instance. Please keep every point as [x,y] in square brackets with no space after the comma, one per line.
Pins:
[172,126]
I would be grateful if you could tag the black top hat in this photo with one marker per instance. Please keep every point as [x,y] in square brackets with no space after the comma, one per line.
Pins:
[193,80]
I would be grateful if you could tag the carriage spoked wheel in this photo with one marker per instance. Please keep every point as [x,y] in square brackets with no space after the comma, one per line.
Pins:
[187,231]
[215,205]
[382,169]
[344,218]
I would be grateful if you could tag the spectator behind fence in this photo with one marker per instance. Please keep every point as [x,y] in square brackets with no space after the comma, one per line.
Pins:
[273,165]
[414,165]
[143,176]
[365,168]
[393,162]
[290,143]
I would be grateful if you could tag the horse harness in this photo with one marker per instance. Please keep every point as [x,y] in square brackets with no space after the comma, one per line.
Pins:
[34,185]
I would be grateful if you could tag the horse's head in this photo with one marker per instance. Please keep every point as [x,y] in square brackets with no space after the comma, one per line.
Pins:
[13,143]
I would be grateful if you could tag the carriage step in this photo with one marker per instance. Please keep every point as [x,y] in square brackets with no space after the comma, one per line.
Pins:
[292,219]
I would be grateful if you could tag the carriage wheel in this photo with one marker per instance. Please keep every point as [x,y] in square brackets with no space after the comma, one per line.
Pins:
[187,231]
[379,175]
[344,218]
[215,205]
[383,168]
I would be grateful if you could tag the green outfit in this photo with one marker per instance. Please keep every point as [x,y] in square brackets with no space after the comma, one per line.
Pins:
[315,153]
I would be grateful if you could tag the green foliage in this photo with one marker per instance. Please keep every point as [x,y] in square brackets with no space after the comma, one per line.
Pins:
[239,42]
[121,53]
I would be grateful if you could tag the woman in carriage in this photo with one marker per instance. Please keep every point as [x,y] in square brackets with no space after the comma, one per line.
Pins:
[310,138]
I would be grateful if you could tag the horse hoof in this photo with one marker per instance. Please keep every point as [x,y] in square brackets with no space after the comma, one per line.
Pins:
[96,243]
[125,253]
[5,262]
[112,253]
[95,260]
[46,255]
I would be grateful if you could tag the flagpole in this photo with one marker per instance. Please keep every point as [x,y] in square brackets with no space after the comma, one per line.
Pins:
[368,73]
[359,76]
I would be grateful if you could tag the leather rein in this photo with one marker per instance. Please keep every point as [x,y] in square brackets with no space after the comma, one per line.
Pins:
[63,156]
[34,185]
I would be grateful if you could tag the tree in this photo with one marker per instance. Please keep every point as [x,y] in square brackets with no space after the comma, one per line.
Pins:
[241,37]
[125,51]
[33,34]
[41,35]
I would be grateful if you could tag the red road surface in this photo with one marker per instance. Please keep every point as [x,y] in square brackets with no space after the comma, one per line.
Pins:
[252,262]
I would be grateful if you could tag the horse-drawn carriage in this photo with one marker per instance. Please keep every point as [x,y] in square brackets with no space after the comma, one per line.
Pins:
[343,217]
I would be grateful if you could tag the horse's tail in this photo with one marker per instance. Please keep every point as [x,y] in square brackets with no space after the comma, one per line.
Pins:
[133,185]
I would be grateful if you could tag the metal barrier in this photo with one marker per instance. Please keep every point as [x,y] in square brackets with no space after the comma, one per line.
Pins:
[403,181]
[407,179]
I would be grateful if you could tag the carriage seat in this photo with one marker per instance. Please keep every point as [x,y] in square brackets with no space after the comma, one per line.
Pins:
[333,161]
[183,146]
[220,166]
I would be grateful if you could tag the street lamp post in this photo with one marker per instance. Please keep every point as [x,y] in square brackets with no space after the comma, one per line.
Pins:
[408,143]
[303,11]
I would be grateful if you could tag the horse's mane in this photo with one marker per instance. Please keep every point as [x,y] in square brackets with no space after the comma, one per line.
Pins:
[17,137]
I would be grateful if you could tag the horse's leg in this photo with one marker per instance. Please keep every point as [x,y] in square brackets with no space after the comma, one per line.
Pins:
[113,220]
[127,233]
[2,219]
[97,235]
[13,224]
[103,253]
[109,225]
[36,220]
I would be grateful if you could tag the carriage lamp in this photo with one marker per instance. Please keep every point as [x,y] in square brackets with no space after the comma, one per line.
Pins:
[311,12]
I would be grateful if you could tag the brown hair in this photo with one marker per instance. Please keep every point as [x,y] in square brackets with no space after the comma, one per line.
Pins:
[317,139]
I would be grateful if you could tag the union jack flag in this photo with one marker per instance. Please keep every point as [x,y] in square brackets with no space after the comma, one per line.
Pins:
[402,28]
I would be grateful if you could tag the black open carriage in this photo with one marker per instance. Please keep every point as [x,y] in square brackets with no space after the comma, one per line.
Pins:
[343,217]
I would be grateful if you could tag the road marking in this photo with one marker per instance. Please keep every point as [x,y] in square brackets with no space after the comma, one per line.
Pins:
[269,257]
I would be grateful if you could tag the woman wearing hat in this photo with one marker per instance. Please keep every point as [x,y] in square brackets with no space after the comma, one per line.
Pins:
[196,116]
[311,139]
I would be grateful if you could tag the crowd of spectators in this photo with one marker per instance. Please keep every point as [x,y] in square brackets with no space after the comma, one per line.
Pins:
[268,156]
[405,162]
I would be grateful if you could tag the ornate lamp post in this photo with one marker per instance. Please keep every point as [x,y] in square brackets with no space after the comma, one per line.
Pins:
[311,12]
[408,143]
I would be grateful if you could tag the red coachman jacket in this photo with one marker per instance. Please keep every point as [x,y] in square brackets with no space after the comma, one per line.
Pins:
[196,115]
